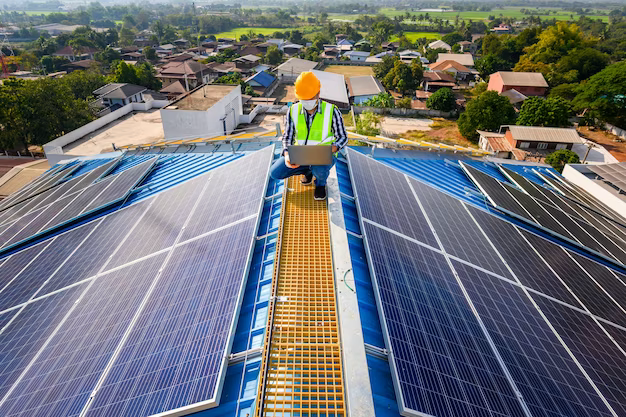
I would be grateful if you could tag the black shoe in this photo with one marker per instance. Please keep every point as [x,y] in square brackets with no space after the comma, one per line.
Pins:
[308,179]
[320,192]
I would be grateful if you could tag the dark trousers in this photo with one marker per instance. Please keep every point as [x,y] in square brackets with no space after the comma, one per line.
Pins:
[280,171]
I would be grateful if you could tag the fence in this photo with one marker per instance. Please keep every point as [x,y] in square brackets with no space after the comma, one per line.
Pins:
[348,63]
[617,131]
[402,112]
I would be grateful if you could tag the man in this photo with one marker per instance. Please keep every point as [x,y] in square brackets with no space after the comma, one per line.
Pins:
[310,121]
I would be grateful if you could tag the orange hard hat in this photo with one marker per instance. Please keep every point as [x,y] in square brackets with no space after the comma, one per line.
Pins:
[307,86]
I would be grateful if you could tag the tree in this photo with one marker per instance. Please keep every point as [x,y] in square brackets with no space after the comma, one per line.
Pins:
[452,38]
[431,54]
[586,62]
[125,73]
[488,111]
[490,63]
[274,56]
[150,53]
[404,103]
[559,158]
[604,95]
[83,83]
[108,55]
[400,78]
[383,67]
[368,124]
[550,112]
[442,100]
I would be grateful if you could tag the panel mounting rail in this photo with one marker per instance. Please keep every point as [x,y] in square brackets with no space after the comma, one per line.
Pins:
[302,369]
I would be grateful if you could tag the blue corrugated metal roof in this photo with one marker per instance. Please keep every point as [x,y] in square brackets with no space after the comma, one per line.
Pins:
[263,78]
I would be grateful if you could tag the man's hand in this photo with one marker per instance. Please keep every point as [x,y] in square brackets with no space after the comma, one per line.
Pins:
[335,149]
[288,162]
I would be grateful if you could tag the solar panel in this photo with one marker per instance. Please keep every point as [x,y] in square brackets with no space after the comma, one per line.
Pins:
[528,266]
[176,352]
[16,262]
[18,225]
[59,382]
[24,336]
[599,356]
[384,197]
[493,189]
[6,317]
[30,279]
[548,378]
[443,363]
[456,230]
[234,192]
[524,184]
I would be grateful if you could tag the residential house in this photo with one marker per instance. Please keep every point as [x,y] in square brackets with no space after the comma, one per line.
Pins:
[390,46]
[271,42]
[181,43]
[185,56]
[435,80]
[208,110]
[250,50]
[247,62]
[119,94]
[174,90]
[362,88]
[291,49]
[379,57]
[333,88]
[133,56]
[165,50]
[70,54]
[239,45]
[291,68]
[190,73]
[226,40]
[439,44]
[540,139]
[332,53]
[497,143]
[363,44]
[466,60]
[357,55]
[527,83]
[408,55]
[345,45]
[79,65]
[460,72]
[501,28]
[467,46]
[198,51]
[142,42]
[340,37]
[261,82]
[515,97]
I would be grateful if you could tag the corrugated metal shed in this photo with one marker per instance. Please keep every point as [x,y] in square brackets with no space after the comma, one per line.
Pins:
[543,134]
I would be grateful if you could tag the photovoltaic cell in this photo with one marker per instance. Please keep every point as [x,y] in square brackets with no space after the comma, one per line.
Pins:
[64,375]
[602,360]
[90,177]
[590,294]
[160,225]
[550,381]
[22,339]
[234,192]
[384,197]
[529,268]
[457,231]
[18,261]
[496,192]
[443,362]
[6,317]
[18,225]
[525,185]
[175,353]
[95,251]
[30,279]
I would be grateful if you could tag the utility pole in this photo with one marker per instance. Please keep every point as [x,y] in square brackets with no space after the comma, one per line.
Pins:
[589,146]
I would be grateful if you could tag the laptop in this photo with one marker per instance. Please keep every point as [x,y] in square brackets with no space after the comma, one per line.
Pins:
[310,154]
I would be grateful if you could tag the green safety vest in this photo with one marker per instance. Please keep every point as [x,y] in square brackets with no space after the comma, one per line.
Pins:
[321,132]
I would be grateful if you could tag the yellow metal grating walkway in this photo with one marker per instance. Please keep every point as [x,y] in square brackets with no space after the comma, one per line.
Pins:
[302,356]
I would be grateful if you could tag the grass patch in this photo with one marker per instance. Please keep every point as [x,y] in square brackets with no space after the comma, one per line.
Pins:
[348,120]
[442,131]
[413,36]
[350,70]
[237,32]
[36,12]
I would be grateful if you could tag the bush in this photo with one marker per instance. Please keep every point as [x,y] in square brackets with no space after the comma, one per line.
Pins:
[559,158]
[368,124]
[382,100]
[404,103]
[488,112]
[442,100]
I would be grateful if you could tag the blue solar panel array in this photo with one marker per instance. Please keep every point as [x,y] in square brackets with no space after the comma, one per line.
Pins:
[488,275]
[151,300]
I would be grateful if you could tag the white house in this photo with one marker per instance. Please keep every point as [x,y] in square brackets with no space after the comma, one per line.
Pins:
[209,110]
[439,44]
[357,55]
[363,88]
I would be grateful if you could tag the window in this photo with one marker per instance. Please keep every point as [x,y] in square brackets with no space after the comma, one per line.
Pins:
[542,146]
[524,145]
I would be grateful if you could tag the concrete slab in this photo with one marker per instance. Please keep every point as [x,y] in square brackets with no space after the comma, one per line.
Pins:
[398,125]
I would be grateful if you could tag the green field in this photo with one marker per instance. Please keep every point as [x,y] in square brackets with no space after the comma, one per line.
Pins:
[513,12]
[235,33]
[413,36]
[34,12]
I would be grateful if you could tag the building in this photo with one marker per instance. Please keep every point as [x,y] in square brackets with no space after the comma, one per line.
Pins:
[527,83]
[363,44]
[496,143]
[421,271]
[390,46]
[69,53]
[460,72]
[361,89]
[291,68]
[345,45]
[333,88]
[605,182]
[247,62]
[331,53]
[501,29]
[466,60]
[181,43]
[439,44]
[174,90]
[467,46]
[291,49]
[540,139]
[165,50]
[209,110]
[82,65]
[190,73]
[515,97]
[357,56]
[261,82]
[133,56]
[119,94]
[434,80]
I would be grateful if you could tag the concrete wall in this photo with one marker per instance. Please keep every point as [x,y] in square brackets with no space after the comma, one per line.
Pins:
[402,112]
[55,147]
[617,131]
[248,118]
[349,63]
[574,174]
[178,124]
